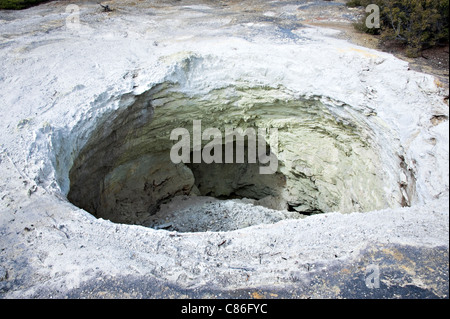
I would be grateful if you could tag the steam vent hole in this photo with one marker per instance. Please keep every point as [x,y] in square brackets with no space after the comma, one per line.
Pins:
[323,156]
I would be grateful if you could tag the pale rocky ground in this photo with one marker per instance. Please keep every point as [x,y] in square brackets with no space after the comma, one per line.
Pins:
[60,84]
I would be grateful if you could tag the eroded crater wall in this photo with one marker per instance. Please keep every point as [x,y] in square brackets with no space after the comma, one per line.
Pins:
[328,159]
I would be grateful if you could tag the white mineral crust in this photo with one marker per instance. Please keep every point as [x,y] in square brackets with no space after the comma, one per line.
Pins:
[56,82]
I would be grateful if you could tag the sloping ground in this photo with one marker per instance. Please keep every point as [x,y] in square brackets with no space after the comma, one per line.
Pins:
[61,82]
[394,273]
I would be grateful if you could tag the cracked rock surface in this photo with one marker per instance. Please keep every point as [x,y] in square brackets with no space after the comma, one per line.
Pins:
[68,94]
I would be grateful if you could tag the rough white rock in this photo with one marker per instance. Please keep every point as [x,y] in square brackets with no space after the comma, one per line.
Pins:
[58,82]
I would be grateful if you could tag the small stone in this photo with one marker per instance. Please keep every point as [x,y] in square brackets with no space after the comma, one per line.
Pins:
[3,274]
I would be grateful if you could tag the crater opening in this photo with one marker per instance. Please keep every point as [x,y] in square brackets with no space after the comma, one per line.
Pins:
[322,155]
[238,179]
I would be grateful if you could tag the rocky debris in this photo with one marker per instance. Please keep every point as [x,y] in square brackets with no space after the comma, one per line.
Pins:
[200,214]
[106,8]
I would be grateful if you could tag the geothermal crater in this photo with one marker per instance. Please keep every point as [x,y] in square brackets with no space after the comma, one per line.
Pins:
[325,158]
[92,205]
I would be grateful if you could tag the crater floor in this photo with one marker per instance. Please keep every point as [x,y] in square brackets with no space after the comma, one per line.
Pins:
[91,206]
